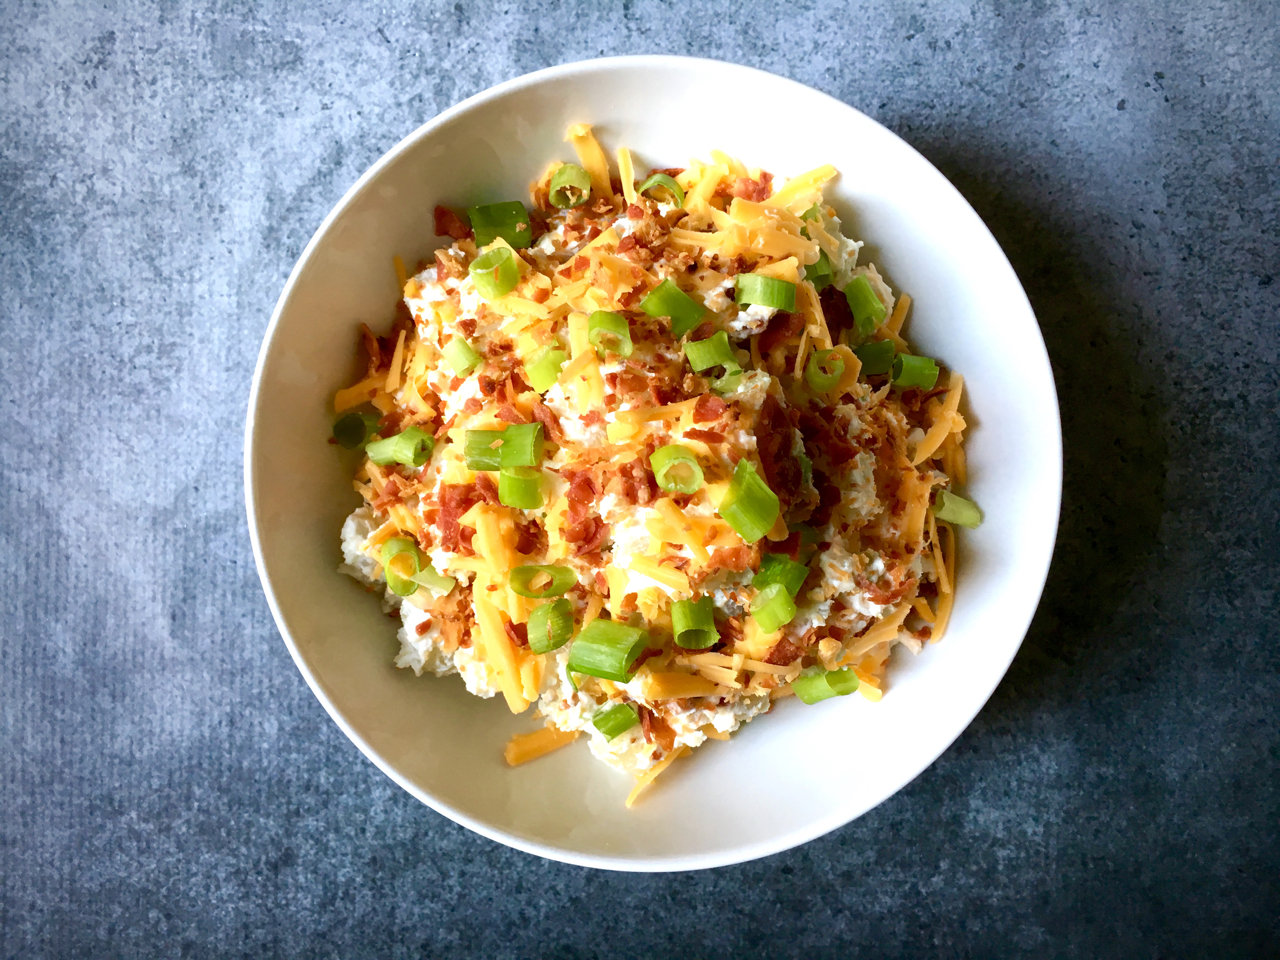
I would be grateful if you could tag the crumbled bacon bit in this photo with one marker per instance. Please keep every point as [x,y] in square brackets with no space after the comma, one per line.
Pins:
[656,730]
[449,224]
[782,470]
[455,500]
[518,632]
[468,326]
[541,295]
[448,266]
[488,385]
[708,408]
[592,417]
[486,488]
[783,652]
[736,559]
[781,326]
[706,436]
[702,331]
[754,190]
[550,422]
[422,628]
[510,414]
[445,427]
[372,348]
[473,405]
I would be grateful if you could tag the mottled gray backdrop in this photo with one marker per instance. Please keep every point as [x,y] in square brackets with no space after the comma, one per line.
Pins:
[170,787]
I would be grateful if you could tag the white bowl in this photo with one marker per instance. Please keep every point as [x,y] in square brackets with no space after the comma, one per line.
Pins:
[783,779]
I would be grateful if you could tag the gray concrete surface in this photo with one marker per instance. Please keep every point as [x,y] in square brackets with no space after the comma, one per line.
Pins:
[169,786]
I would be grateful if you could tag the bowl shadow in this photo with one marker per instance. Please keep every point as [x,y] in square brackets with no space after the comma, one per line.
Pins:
[1115,455]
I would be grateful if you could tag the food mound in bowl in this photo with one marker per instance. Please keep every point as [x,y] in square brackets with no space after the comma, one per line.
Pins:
[652,455]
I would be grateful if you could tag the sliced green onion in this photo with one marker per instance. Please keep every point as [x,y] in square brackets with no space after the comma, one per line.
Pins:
[520,487]
[773,607]
[912,371]
[402,562]
[668,300]
[766,291]
[866,307]
[819,272]
[778,568]
[676,469]
[876,357]
[399,561]
[570,186]
[522,445]
[816,685]
[606,649]
[615,720]
[411,446]
[813,213]
[712,352]
[544,371]
[726,384]
[806,469]
[355,429]
[609,332]
[749,506]
[508,220]
[495,273]
[956,509]
[550,626]
[483,449]
[461,356]
[693,623]
[662,180]
[824,370]
[433,580]
[539,581]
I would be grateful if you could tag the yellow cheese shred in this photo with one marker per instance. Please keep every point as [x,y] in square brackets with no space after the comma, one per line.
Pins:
[651,774]
[944,423]
[627,174]
[498,653]
[593,159]
[524,747]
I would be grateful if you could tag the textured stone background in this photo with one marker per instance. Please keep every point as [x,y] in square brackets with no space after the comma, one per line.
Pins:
[169,786]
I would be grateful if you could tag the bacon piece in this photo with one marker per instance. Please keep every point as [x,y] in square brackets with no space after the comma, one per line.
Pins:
[510,414]
[449,224]
[781,326]
[550,422]
[518,632]
[656,730]
[783,652]
[529,537]
[824,436]
[708,408]
[455,500]
[592,417]
[828,499]
[754,190]
[638,484]
[736,559]
[593,543]
[448,266]
[489,385]
[836,311]
[706,436]
[486,488]
[671,172]
[582,488]
[473,405]
[782,470]
[372,348]
[702,331]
